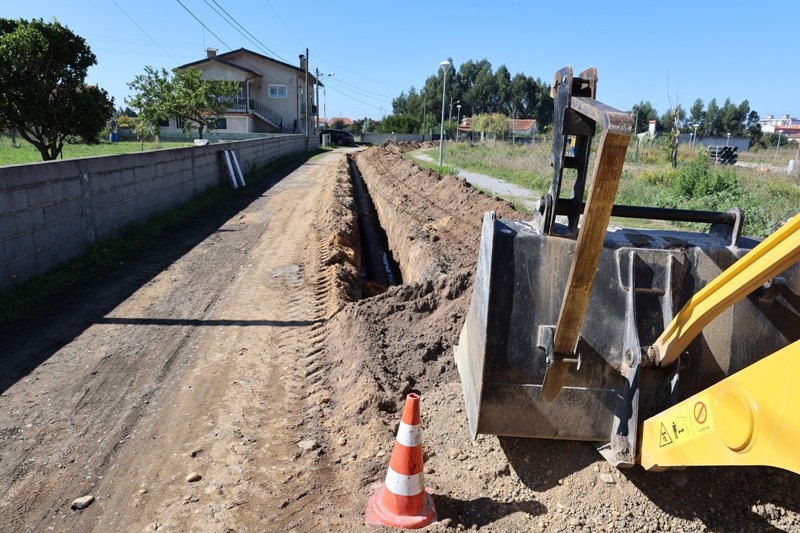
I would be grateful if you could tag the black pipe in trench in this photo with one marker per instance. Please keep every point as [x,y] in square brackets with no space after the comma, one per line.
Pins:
[373,257]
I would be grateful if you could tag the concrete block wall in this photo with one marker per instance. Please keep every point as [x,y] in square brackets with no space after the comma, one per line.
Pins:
[53,211]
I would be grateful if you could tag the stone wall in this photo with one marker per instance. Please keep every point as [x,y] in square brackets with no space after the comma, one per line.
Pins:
[54,210]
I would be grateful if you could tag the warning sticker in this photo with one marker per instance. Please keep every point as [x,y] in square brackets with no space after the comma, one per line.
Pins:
[665,439]
[680,427]
[700,413]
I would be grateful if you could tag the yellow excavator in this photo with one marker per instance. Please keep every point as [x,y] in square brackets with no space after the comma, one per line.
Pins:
[667,348]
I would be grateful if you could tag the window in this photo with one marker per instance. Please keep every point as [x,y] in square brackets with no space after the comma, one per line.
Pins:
[221,124]
[278,91]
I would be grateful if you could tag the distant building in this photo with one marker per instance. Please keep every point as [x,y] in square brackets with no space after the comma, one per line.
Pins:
[274,97]
[524,127]
[784,124]
[346,121]
[520,128]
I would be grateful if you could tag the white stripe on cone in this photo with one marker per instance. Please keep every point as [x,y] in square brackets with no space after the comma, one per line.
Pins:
[409,435]
[403,485]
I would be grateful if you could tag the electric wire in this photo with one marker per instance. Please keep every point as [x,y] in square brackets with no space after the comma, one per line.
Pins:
[203,25]
[364,91]
[252,38]
[142,30]
[381,108]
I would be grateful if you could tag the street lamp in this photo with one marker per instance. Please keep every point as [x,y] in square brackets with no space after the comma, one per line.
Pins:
[458,119]
[694,137]
[728,140]
[445,66]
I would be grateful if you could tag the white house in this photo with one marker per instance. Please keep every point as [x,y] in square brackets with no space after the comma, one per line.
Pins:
[274,97]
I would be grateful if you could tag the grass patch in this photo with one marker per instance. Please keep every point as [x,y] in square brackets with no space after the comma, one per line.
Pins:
[24,152]
[765,198]
[444,170]
[526,165]
[21,302]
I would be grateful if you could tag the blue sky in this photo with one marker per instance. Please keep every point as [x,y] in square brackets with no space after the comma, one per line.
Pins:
[662,52]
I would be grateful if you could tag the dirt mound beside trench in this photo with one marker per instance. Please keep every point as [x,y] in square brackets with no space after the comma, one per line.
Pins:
[380,348]
[383,347]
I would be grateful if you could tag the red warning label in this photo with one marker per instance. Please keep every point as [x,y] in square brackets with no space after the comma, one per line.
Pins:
[700,412]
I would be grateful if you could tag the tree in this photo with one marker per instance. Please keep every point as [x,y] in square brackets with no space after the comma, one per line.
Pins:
[502,80]
[400,104]
[712,125]
[492,124]
[43,94]
[753,127]
[399,124]
[673,118]
[697,113]
[643,112]
[197,103]
[730,119]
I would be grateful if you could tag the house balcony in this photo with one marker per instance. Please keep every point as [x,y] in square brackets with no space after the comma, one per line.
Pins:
[251,105]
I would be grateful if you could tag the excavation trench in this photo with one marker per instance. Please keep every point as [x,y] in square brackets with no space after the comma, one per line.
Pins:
[379,270]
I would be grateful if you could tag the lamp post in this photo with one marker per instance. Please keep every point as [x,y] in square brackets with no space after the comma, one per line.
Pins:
[694,137]
[776,148]
[728,140]
[458,119]
[445,66]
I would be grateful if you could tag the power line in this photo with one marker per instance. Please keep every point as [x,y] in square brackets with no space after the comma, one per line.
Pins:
[203,25]
[142,30]
[254,39]
[359,89]
[381,108]
[229,22]
[284,22]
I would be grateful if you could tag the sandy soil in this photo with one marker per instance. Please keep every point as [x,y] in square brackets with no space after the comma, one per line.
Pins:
[241,352]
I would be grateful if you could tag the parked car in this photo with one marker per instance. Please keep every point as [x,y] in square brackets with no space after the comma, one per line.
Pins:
[339,136]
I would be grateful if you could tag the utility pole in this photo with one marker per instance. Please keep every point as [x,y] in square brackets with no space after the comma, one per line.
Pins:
[305,97]
[316,101]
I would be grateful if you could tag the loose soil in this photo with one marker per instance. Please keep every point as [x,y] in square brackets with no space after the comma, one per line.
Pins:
[240,355]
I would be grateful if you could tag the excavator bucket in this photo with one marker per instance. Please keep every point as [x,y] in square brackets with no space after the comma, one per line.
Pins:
[565,309]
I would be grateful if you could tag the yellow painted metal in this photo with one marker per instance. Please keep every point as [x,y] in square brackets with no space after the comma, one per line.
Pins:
[774,255]
[749,418]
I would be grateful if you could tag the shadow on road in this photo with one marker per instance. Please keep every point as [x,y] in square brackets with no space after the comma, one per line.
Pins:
[24,345]
[481,511]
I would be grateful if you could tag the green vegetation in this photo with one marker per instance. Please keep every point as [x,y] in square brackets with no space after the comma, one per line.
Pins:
[23,152]
[138,242]
[196,102]
[765,197]
[524,165]
[43,94]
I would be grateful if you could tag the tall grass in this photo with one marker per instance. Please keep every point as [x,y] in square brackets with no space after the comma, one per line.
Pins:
[766,198]
[524,165]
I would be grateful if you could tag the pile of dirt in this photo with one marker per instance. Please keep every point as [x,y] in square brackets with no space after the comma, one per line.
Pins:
[400,147]
[253,359]
[379,349]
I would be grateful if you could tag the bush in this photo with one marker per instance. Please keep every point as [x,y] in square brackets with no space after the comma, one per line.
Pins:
[699,180]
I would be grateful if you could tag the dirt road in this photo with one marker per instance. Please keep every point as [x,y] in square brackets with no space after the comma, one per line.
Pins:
[239,355]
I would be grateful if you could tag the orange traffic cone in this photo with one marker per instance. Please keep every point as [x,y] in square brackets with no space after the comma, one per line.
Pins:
[402,501]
